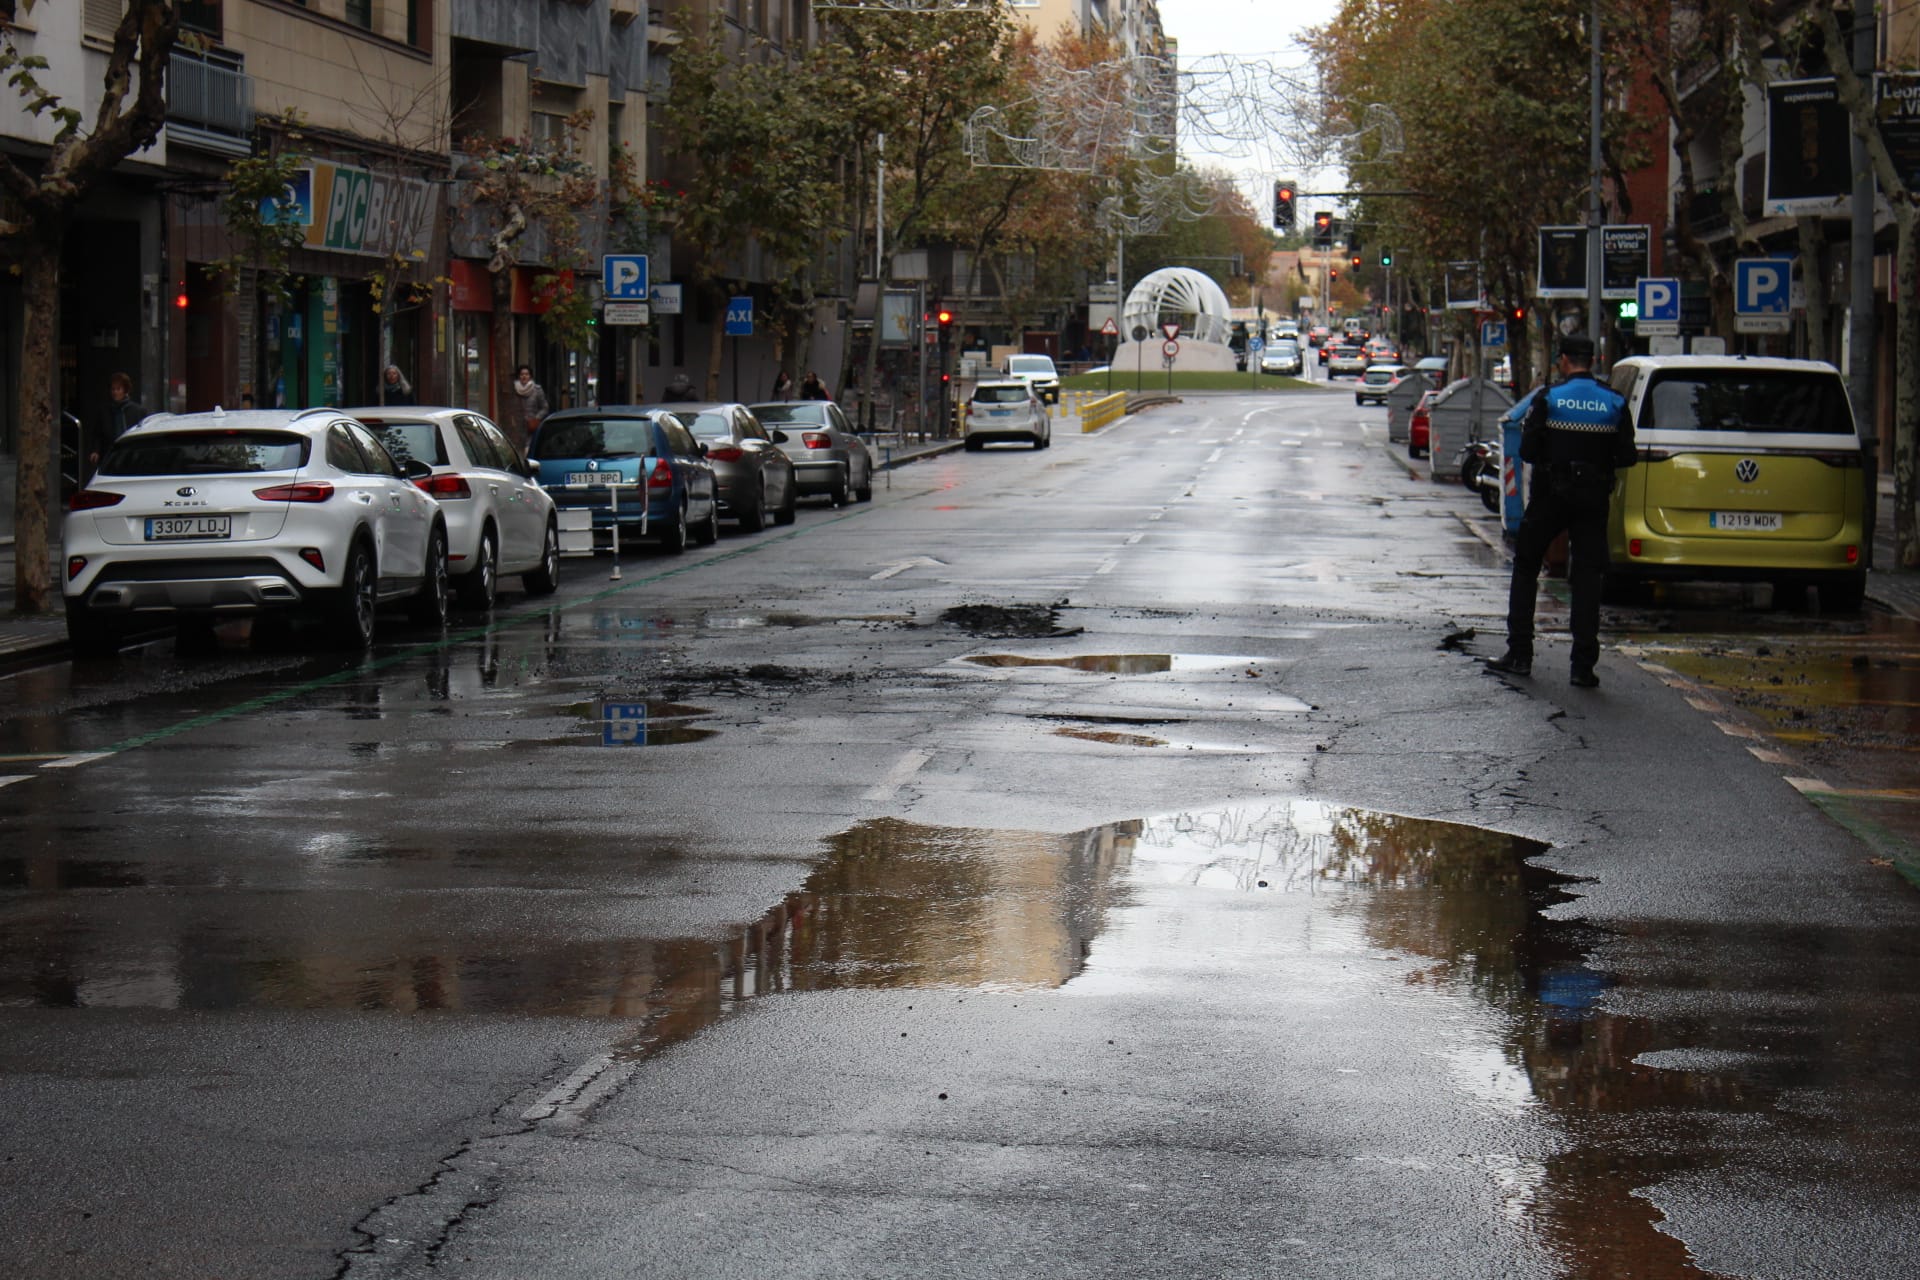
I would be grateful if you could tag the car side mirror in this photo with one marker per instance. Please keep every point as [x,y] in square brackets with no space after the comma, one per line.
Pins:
[414,469]
[701,445]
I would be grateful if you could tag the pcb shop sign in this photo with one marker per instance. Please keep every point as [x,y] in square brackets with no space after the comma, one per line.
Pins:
[373,214]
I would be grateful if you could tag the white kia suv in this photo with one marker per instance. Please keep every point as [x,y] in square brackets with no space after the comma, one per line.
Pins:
[195,518]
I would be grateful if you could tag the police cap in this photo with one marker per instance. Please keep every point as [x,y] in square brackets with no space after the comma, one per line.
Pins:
[1578,348]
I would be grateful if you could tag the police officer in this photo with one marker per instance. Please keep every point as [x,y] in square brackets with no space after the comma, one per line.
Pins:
[1575,435]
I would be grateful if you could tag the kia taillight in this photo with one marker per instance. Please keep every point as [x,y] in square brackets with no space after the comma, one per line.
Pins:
[88,499]
[74,566]
[816,439]
[444,486]
[726,453]
[298,491]
[661,477]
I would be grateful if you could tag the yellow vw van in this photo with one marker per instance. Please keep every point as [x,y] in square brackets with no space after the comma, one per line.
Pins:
[1750,470]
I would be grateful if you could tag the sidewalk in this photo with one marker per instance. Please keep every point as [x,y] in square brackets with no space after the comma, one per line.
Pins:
[24,637]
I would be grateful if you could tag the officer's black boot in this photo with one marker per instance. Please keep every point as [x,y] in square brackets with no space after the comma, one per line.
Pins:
[1513,662]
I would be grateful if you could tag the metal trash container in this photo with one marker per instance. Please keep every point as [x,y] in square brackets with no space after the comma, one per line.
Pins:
[1402,396]
[1513,472]
[1456,419]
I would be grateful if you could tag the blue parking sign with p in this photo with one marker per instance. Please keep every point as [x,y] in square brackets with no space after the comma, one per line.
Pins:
[623,277]
[1659,299]
[1762,286]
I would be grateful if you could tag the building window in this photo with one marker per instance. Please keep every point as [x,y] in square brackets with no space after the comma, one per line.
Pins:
[202,16]
[360,13]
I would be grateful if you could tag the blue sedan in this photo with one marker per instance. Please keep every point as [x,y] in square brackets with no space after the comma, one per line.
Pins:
[637,467]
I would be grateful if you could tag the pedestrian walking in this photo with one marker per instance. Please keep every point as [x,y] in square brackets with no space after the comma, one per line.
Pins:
[122,411]
[783,386]
[1578,432]
[526,406]
[811,388]
[394,387]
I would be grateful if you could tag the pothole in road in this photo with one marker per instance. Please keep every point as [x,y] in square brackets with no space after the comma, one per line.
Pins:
[1008,622]
[1124,664]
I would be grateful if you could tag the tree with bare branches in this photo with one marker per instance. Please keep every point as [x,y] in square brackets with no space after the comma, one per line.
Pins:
[133,107]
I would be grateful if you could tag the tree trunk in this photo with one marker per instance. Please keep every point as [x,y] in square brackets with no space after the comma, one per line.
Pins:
[513,424]
[1814,278]
[716,339]
[1906,383]
[40,299]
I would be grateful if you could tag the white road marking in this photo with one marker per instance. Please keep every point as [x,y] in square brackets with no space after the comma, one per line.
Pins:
[1810,786]
[1765,756]
[1107,565]
[904,565]
[569,1089]
[1738,731]
[1704,704]
[9,779]
[1216,455]
[908,765]
[1134,537]
[74,762]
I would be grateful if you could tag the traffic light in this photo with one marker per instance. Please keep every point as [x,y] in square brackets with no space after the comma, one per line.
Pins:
[1353,242]
[1386,257]
[1283,204]
[1519,315]
[1323,227]
[944,318]
[1334,274]
[1354,262]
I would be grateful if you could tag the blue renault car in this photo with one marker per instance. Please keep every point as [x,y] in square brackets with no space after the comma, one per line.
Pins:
[637,466]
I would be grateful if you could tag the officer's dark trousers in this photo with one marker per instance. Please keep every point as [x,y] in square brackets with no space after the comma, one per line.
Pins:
[1558,502]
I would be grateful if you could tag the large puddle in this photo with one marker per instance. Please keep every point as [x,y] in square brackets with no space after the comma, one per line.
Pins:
[894,905]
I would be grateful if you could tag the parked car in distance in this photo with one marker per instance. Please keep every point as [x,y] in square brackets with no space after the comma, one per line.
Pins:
[828,456]
[1434,368]
[1006,410]
[1282,356]
[199,517]
[636,467]
[1347,358]
[499,520]
[1376,381]
[1420,427]
[1038,372]
[755,479]
[1750,469]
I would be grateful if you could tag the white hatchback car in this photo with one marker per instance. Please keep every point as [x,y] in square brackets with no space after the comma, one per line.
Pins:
[499,520]
[195,518]
[1008,409]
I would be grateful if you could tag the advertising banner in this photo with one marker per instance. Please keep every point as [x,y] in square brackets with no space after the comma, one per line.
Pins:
[1563,263]
[1809,170]
[1463,287]
[372,214]
[1626,254]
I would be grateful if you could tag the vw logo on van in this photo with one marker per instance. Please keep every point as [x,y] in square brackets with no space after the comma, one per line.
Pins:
[1746,470]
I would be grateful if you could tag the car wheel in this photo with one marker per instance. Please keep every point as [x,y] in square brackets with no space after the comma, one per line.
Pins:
[785,515]
[1843,595]
[354,613]
[429,607]
[90,636]
[707,532]
[841,491]
[1490,497]
[545,580]
[673,540]
[865,492]
[1470,474]
[479,585]
[753,516]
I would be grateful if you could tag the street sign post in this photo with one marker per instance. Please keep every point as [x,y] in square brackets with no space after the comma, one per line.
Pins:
[739,325]
[623,277]
[1172,329]
[625,313]
[1493,333]
[1659,301]
[1762,295]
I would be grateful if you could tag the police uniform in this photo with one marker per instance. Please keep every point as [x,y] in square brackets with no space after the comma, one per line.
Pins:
[1575,435]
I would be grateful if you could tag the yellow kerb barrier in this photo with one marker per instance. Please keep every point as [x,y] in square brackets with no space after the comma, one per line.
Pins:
[1095,414]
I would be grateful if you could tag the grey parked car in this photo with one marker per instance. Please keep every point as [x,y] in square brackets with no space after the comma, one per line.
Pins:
[828,458]
[755,478]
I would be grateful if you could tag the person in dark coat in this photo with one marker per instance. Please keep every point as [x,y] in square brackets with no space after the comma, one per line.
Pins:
[811,388]
[395,389]
[679,389]
[123,411]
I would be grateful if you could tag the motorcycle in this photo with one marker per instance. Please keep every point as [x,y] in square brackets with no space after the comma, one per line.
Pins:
[1472,459]
[1489,477]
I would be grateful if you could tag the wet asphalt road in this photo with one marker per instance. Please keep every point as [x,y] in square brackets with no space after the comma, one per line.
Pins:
[1085,862]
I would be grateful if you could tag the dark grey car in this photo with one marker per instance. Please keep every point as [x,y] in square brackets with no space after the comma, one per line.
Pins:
[755,478]
[828,457]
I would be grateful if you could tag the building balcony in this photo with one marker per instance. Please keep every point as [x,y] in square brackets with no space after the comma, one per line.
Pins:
[209,102]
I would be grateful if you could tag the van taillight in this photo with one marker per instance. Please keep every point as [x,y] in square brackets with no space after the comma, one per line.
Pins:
[1633,546]
[1853,555]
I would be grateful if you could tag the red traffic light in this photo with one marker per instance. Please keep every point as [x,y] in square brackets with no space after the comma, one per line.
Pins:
[1356,261]
[945,318]
[1334,274]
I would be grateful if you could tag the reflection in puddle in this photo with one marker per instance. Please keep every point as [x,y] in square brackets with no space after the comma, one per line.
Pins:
[1124,664]
[1112,737]
[1630,1102]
